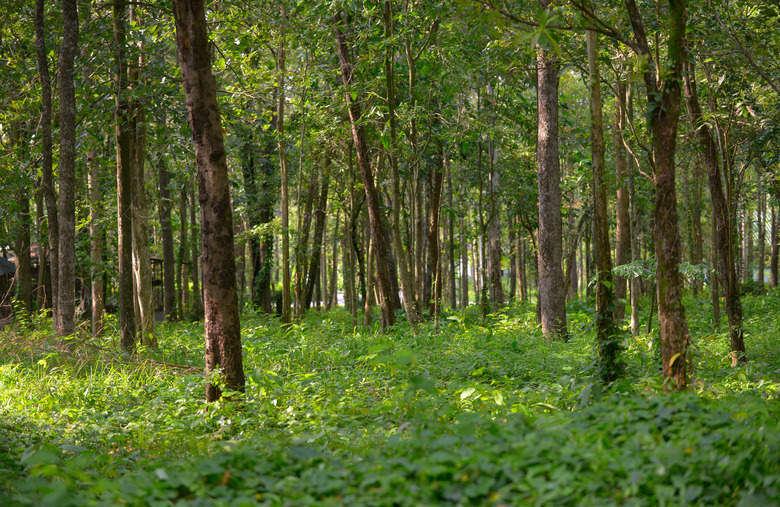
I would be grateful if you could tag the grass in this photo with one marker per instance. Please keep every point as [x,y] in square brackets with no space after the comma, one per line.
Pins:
[482,412]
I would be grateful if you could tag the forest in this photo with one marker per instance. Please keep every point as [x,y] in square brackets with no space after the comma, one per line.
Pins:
[390,252]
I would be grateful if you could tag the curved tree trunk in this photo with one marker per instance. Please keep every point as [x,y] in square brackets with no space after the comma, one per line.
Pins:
[372,198]
[223,329]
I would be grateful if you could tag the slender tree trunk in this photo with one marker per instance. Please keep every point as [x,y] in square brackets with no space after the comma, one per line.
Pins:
[47,175]
[413,314]
[24,271]
[197,307]
[434,252]
[267,201]
[761,212]
[124,184]
[451,245]
[223,329]
[184,284]
[775,250]
[552,296]
[623,242]
[372,199]
[715,278]
[494,253]
[166,230]
[464,265]
[96,243]
[142,259]
[316,254]
[607,332]
[512,261]
[721,214]
[281,68]
[66,287]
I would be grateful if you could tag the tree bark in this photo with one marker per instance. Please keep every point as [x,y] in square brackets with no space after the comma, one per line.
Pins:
[124,184]
[775,248]
[196,302]
[223,329]
[552,295]
[663,111]
[494,253]
[96,243]
[721,217]
[372,199]
[316,254]
[47,174]
[286,280]
[184,285]
[66,273]
[166,231]
[434,259]
[607,337]
[623,241]
[761,212]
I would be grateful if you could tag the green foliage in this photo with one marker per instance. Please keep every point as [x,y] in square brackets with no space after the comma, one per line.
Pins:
[482,412]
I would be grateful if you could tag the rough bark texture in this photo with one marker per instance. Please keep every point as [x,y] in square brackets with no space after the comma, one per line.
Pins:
[66,285]
[372,199]
[95,243]
[623,240]
[663,109]
[721,215]
[47,177]
[124,177]
[552,295]
[223,330]
[607,333]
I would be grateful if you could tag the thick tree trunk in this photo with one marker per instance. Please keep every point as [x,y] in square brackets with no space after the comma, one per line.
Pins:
[552,295]
[607,333]
[66,273]
[372,199]
[223,329]
[623,241]
[124,177]
[95,243]
[721,217]
[47,176]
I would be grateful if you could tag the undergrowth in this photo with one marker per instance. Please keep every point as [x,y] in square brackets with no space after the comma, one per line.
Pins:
[479,411]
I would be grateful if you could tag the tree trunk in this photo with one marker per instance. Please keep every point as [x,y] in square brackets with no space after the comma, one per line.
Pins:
[124,184]
[142,258]
[663,111]
[47,176]
[223,329]
[197,306]
[434,259]
[184,285]
[623,241]
[23,270]
[452,275]
[715,279]
[281,68]
[96,243]
[721,217]
[66,273]
[552,296]
[166,231]
[464,265]
[411,307]
[607,333]
[316,246]
[761,212]
[775,248]
[372,199]
[494,253]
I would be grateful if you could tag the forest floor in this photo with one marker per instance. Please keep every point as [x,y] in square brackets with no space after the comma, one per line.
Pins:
[482,411]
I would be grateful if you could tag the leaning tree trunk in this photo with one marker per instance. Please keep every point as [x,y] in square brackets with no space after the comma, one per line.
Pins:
[663,110]
[223,329]
[552,294]
[720,210]
[372,198]
[607,333]
[66,273]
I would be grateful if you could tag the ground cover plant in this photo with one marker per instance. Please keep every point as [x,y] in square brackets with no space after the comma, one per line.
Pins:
[481,411]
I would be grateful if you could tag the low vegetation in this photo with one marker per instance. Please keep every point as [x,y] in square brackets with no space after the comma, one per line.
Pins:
[482,411]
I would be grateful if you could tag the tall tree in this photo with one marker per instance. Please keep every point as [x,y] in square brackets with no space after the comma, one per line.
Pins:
[223,329]
[607,336]
[66,286]
[552,289]
[372,197]
[124,182]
